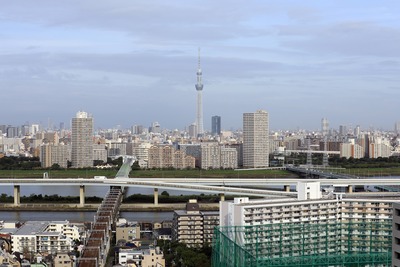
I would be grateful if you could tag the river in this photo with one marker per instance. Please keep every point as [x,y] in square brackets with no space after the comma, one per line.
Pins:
[80,216]
[98,191]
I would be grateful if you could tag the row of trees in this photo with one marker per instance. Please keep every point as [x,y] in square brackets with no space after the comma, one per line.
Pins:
[33,198]
[336,161]
[30,163]
[19,163]
[178,255]
[380,162]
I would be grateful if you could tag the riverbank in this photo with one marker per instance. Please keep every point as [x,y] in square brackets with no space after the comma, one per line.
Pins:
[131,207]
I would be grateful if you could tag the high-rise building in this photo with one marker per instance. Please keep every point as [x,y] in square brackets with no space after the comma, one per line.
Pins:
[255,139]
[199,89]
[82,140]
[137,129]
[397,127]
[215,125]
[324,126]
[325,129]
[193,130]
[342,130]
[357,131]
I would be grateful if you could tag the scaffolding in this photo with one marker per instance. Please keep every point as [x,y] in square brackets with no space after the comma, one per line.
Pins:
[307,244]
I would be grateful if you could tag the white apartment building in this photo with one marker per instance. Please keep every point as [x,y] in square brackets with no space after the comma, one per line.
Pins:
[229,158]
[44,237]
[309,207]
[151,257]
[380,148]
[141,152]
[255,139]
[351,149]
[100,152]
[215,156]
[210,155]
[310,227]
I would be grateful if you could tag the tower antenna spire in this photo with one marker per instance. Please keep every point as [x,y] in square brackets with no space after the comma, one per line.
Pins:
[199,60]
[199,89]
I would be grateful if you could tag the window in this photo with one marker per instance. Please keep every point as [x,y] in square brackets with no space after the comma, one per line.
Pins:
[397,212]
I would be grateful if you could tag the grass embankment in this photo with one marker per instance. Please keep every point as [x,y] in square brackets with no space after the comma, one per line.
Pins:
[370,172]
[193,173]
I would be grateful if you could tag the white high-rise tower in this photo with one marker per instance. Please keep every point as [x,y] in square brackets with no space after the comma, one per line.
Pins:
[82,140]
[199,89]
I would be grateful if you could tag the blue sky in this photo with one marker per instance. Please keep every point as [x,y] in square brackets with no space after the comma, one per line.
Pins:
[134,62]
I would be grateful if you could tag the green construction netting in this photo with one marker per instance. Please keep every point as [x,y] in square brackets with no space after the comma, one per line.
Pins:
[304,244]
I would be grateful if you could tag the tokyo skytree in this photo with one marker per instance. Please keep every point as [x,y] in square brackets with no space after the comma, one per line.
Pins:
[199,89]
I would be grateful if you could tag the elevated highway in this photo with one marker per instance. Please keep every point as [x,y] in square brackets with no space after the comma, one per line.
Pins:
[313,172]
[232,186]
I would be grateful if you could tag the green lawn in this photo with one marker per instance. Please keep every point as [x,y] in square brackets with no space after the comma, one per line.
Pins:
[76,173]
[369,172]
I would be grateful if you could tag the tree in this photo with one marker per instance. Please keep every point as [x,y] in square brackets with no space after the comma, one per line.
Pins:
[55,166]
[165,193]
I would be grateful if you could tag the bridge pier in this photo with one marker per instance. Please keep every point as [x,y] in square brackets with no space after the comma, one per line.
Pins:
[155,196]
[350,189]
[286,188]
[81,196]
[221,197]
[17,195]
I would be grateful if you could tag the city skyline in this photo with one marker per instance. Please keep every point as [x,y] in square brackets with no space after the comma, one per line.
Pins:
[134,63]
[208,129]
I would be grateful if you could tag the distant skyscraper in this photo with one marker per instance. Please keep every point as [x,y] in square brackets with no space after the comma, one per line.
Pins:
[342,130]
[325,129]
[357,131]
[324,126]
[82,140]
[155,127]
[255,139]
[215,125]
[193,130]
[137,129]
[35,128]
[397,127]
[199,88]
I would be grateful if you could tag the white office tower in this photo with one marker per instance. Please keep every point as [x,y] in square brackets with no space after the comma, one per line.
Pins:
[199,89]
[82,141]
[255,139]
